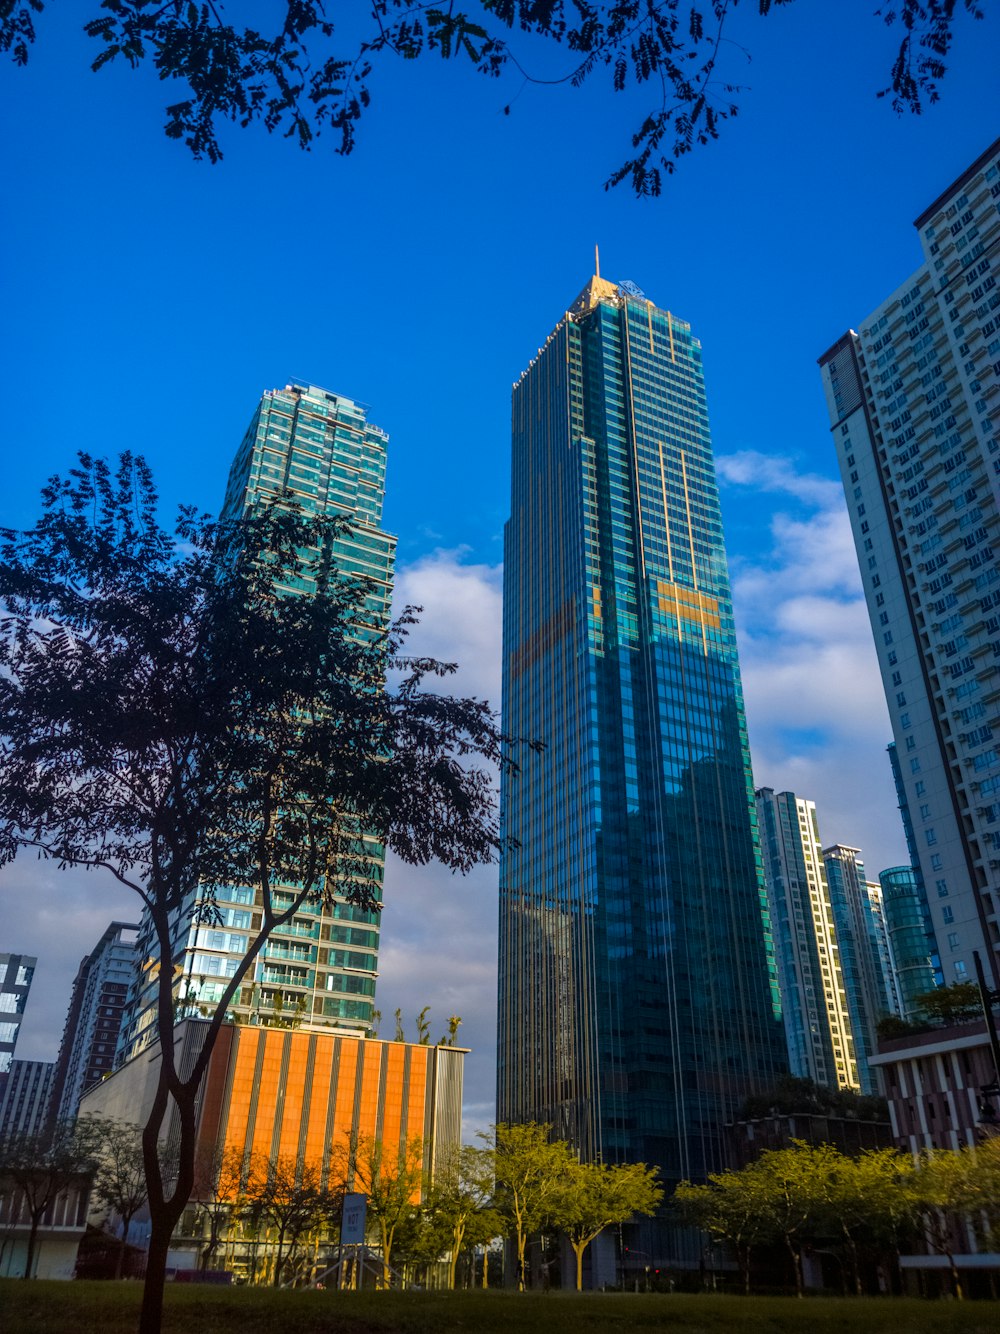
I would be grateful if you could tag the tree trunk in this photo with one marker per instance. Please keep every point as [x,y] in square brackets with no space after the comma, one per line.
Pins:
[165,1213]
[743,1255]
[29,1259]
[276,1280]
[521,1239]
[855,1266]
[486,1270]
[796,1265]
[956,1280]
[579,1250]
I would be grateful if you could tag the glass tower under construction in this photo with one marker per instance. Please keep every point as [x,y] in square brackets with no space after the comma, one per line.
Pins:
[638,1001]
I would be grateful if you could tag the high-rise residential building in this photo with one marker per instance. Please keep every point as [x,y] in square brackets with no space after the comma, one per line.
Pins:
[16,972]
[319,969]
[914,401]
[94,1019]
[25,1092]
[861,953]
[883,947]
[638,1000]
[813,991]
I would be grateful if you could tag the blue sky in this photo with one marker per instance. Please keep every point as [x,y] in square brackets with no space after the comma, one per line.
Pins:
[150,299]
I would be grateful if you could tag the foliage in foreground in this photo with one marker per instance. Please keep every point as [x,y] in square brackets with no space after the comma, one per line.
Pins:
[174,714]
[302,75]
[870,1206]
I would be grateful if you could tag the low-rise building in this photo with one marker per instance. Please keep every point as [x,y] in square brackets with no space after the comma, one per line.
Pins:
[297,1095]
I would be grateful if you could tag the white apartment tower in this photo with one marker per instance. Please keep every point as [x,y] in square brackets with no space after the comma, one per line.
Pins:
[914,401]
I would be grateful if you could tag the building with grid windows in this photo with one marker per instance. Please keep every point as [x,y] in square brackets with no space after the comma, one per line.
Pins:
[868,986]
[319,969]
[94,1018]
[638,1000]
[813,993]
[16,972]
[914,402]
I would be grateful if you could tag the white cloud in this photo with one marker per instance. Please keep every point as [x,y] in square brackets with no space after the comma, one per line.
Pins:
[461,619]
[816,710]
[439,931]
[775,472]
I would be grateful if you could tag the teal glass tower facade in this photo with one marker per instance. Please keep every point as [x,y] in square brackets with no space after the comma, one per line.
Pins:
[638,1000]
[319,969]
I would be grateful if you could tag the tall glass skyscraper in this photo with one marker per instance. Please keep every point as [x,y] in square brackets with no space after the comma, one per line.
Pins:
[638,999]
[318,969]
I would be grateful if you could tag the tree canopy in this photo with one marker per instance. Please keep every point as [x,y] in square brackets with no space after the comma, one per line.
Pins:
[174,714]
[593,1196]
[303,75]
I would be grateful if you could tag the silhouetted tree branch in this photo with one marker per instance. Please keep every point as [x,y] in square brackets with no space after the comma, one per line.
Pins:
[305,75]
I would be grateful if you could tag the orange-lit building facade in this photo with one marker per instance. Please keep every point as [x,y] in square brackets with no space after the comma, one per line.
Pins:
[299,1095]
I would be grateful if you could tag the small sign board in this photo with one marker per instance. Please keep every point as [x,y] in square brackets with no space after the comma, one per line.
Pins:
[352,1224]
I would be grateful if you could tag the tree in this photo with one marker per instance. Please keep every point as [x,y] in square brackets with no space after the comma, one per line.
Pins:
[392,1177]
[871,1203]
[957,1004]
[40,1167]
[293,1203]
[955,1189]
[796,1191]
[528,1167]
[462,1189]
[593,1196]
[120,1180]
[220,1176]
[791,1094]
[945,1191]
[303,78]
[733,1208]
[170,716]
[450,1038]
[424,1026]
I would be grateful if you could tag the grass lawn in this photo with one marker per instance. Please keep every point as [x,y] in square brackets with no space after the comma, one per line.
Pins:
[112,1308]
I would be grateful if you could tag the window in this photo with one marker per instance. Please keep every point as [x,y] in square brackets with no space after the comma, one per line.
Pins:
[942,888]
[936,862]
[931,837]
[961,972]
[953,940]
[947,913]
